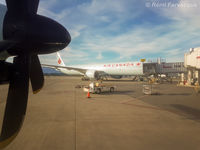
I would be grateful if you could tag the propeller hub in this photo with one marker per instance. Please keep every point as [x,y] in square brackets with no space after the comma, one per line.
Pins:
[36,34]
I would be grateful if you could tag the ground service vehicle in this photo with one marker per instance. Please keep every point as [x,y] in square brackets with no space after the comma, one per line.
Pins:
[99,88]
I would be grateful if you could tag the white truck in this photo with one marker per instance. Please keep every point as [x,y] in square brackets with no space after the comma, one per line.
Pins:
[99,88]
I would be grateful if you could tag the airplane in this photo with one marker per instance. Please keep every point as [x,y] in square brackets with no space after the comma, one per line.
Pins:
[24,34]
[99,71]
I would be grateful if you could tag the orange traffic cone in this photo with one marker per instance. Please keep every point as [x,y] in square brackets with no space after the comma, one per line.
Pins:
[88,95]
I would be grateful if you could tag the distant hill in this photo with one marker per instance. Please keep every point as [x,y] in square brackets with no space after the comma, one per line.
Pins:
[51,71]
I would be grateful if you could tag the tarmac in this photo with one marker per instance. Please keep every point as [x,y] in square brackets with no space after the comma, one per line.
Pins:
[61,117]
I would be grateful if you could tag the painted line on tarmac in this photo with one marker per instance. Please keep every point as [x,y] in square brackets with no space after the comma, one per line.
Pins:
[133,99]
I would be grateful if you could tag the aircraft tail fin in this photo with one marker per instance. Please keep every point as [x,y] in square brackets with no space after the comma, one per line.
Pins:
[59,60]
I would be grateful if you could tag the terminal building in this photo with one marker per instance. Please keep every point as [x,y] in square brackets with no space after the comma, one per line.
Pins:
[192,63]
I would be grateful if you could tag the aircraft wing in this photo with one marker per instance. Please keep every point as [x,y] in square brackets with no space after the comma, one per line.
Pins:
[65,67]
[81,70]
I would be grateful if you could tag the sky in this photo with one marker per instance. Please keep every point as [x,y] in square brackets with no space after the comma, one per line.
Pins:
[124,30]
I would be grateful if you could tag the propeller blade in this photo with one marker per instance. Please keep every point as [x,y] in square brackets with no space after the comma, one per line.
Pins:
[16,100]
[36,74]
[22,6]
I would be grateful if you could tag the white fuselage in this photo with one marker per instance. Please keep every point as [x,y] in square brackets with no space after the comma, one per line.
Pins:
[126,68]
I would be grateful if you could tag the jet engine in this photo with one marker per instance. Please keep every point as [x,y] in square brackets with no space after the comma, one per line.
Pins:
[92,74]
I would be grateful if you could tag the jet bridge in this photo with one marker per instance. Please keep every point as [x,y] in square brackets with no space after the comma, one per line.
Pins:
[164,68]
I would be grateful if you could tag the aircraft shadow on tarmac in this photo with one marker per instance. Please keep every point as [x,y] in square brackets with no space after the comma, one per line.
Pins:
[188,112]
[117,92]
[171,94]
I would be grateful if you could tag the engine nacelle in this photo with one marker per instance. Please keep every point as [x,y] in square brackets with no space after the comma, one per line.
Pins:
[92,74]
